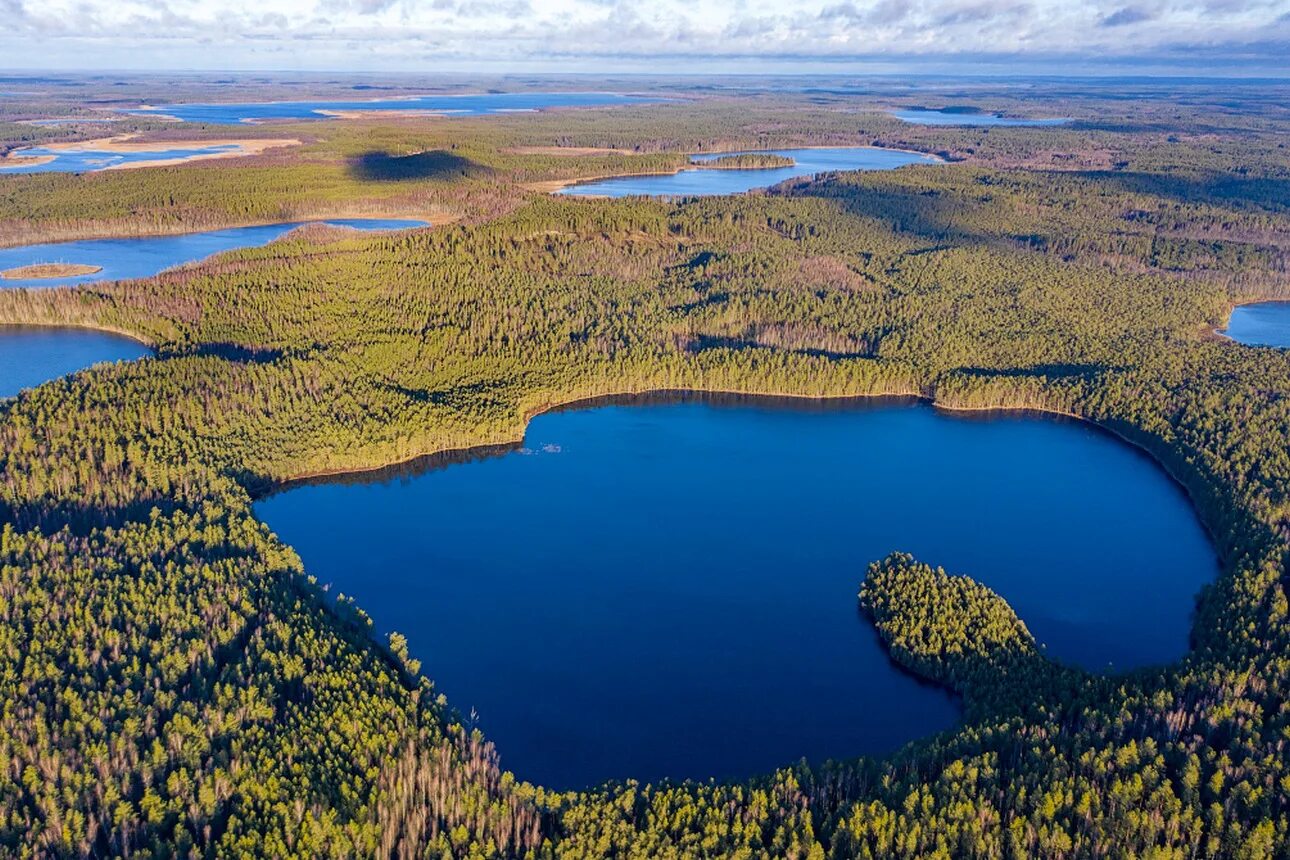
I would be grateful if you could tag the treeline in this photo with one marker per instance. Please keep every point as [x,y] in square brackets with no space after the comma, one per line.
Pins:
[175,684]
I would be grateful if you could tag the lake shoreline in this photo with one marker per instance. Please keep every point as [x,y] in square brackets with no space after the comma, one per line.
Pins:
[911,398]
[129,143]
[431,221]
[555,186]
[1221,333]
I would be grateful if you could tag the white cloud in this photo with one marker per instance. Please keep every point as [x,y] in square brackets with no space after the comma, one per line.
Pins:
[592,34]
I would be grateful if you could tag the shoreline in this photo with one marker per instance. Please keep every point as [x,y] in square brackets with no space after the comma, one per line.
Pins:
[1221,333]
[37,271]
[87,326]
[553,186]
[911,398]
[128,143]
[431,221]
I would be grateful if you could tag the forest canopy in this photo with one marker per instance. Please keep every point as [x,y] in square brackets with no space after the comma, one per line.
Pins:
[176,684]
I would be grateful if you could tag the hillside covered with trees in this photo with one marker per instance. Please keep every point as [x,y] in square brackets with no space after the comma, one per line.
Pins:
[176,684]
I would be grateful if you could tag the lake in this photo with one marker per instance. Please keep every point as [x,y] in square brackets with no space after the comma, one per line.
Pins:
[30,355]
[924,116]
[697,181]
[668,588]
[475,104]
[145,256]
[90,160]
[1262,324]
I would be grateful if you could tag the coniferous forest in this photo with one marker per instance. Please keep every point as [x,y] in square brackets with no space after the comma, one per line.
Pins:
[175,683]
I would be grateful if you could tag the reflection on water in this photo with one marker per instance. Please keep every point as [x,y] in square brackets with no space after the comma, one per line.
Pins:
[145,256]
[924,116]
[89,160]
[1262,324]
[668,587]
[30,355]
[447,105]
[696,181]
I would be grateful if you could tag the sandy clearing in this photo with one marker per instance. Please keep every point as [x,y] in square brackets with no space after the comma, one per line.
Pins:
[38,271]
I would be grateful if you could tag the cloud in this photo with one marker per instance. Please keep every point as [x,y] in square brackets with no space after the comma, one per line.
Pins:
[608,34]
[1125,16]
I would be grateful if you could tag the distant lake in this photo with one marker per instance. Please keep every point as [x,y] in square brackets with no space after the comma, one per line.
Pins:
[669,589]
[696,181]
[1262,324]
[30,355]
[449,105]
[924,116]
[90,160]
[145,256]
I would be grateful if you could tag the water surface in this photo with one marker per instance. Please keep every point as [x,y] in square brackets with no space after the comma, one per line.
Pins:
[924,116]
[1262,324]
[90,160]
[670,590]
[449,105]
[698,181]
[30,355]
[145,256]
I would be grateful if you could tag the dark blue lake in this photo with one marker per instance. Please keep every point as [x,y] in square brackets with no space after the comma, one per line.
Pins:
[697,181]
[670,589]
[923,116]
[89,160]
[30,355]
[449,105]
[145,256]
[1262,324]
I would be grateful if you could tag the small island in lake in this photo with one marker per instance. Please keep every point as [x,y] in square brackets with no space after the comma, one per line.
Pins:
[49,270]
[745,161]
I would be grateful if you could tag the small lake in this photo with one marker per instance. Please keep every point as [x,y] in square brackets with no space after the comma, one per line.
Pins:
[669,588]
[1262,324]
[697,181]
[145,256]
[30,355]
[924,116]
[476,104]
[90,160]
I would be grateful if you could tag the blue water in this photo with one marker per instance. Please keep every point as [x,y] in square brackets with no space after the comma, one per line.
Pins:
[696,181]
[144,256]
[462,105]
[30,355]
[1263,324]
[670,590]
[89,160]
[936,117]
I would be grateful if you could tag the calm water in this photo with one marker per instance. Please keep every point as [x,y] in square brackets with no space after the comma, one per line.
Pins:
[670,590]
[463,105]
[922,116]
[89,160]
[694,182]
[1264,324]
[142,257]
[30,355]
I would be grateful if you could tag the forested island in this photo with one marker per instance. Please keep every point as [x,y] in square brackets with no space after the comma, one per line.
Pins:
[176,683]
[745,161]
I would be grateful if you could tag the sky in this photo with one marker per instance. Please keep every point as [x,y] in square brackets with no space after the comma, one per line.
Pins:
[652,36]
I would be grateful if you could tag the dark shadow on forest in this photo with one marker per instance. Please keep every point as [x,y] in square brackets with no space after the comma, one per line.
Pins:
[80,518]
[1055,370]
[233,352]
[1272,194]
[261,487]
[703,343]
[435,164]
